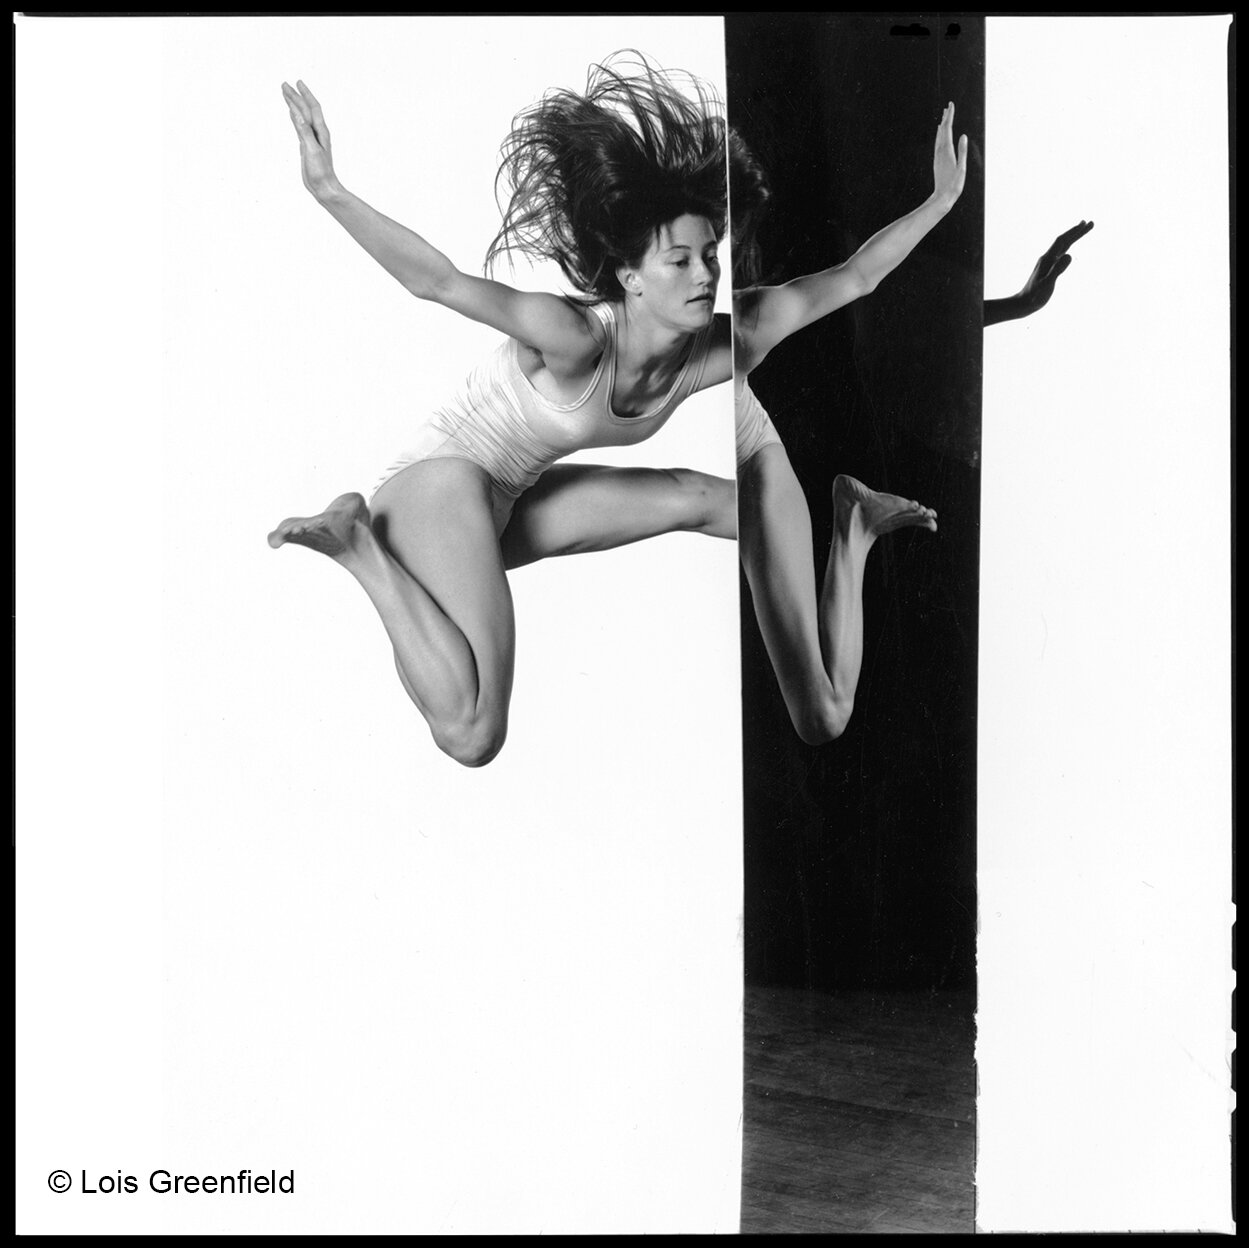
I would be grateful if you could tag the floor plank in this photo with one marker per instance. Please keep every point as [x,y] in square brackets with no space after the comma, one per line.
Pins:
[859,1112]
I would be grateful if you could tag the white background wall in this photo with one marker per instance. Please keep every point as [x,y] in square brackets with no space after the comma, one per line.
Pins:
[1104,817]
[264,922]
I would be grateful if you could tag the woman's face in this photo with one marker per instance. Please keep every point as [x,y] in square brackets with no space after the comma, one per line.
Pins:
[677,278]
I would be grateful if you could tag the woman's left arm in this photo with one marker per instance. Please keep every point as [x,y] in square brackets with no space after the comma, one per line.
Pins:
[767,315]
[1054,262]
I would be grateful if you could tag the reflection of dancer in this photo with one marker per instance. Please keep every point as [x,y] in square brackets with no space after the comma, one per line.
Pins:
[816,643]
[816,647]
[624,186]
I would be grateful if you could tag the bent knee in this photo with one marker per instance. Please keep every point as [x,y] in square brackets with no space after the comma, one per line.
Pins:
[823,721]
[472,744]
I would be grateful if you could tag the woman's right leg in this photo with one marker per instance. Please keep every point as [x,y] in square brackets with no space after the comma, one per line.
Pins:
[429,560]
[816,647]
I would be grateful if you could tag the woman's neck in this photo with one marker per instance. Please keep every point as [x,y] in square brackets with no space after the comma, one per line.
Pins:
[647,346]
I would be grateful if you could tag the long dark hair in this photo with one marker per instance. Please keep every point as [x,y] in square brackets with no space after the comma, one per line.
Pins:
[749,194]
[591,177]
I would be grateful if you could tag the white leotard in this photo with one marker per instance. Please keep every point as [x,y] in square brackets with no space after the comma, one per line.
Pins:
[753,426]
[501,422]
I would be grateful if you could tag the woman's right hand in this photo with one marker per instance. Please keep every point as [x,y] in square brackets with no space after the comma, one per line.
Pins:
[314,140]
[949,168]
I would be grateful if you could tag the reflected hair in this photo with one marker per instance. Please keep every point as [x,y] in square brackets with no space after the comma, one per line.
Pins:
[749,194]
[591,177]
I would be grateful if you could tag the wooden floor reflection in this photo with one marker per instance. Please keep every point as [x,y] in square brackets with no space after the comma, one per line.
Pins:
[859,1111]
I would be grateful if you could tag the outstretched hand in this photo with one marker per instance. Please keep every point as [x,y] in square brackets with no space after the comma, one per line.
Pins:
[949,171]
[1053,263]
[317,162]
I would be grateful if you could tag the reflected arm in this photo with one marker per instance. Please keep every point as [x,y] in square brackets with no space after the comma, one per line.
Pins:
[767,315]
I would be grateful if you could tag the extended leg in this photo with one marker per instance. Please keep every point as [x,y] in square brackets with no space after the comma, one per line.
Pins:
[430,563]
[816,648]
[575,508]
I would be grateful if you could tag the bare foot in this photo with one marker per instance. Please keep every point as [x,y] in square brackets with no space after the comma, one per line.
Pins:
[873,513]
[333,532]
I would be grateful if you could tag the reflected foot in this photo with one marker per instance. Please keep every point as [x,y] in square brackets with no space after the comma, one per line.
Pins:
[335,532]
[871,513]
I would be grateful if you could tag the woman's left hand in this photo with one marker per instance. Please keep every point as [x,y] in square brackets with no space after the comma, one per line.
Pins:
[1053,263]
[949,171]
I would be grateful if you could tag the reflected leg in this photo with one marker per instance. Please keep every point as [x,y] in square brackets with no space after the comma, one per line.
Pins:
[816,648]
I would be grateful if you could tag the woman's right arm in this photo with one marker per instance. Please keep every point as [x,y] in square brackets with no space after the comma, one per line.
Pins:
[555,327]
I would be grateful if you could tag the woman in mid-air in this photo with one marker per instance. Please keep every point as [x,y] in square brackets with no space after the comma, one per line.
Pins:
[624,185]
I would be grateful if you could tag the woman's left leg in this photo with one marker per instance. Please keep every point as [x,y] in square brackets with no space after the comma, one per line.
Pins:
[576,508]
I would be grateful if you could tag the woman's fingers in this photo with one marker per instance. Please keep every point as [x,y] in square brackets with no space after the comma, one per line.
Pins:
[315,114]
[307,139]
[313,103]
[295,102]
[302,119]
[945,136]
[301,126]
[949,162]
[1057,250]
[1073,235]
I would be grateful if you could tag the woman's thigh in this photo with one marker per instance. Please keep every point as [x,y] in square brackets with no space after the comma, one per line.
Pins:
[576,508]
[438,520]
[776,549]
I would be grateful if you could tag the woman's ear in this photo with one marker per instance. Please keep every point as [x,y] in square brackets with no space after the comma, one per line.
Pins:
[629,281]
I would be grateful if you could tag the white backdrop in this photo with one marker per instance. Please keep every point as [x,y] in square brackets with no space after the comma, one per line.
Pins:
[1105,772]
[264,923]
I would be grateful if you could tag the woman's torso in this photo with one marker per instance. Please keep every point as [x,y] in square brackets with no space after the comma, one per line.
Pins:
[515,379]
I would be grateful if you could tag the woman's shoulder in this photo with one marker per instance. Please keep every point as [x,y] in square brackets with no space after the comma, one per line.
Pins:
[570,333]
[602,316]
[579,357]
[718,362]
[596,318]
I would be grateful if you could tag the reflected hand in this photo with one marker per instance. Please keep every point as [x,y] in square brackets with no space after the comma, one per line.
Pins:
[317,162]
